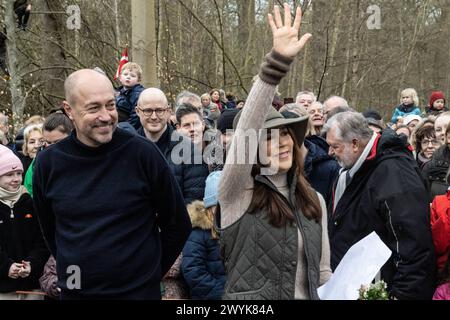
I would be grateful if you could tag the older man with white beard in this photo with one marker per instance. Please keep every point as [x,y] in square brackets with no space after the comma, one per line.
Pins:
[380,189]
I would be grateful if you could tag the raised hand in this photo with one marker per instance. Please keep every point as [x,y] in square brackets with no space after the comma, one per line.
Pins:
[285,35]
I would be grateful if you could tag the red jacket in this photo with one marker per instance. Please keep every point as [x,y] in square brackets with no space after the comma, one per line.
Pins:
[440,227]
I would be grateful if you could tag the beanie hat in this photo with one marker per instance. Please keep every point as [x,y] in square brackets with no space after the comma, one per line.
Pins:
[211,189]
[225,121]
[411,117]
[436,95]
[8,161]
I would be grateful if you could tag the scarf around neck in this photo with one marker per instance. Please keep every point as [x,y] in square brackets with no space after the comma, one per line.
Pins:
[346,176]
[10,198]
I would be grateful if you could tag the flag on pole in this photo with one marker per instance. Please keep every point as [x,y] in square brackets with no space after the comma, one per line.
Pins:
[123,61]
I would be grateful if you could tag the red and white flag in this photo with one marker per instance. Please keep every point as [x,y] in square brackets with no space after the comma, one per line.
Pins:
[123,61]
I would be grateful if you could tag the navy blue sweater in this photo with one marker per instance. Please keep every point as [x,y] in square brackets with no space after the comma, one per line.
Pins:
[114,211]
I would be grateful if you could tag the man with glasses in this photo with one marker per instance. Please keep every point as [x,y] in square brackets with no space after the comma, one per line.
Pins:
[185,161]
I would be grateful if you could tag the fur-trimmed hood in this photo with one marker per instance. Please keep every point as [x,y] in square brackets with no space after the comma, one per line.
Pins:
[199,216]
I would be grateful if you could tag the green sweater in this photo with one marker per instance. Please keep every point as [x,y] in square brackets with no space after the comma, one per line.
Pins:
[28,182]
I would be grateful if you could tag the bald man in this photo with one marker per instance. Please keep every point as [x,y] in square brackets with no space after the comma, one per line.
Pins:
[184,159]
[110,208]
[332,103]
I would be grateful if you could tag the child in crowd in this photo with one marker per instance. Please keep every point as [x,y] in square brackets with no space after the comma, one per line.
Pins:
[436,104]
[202,266]
[129,93]
[443,290]
[409,105]
[22,249]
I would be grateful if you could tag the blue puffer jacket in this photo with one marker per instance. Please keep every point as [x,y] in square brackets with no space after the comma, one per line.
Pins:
[202,266]
[191,177]
[403,111]
[321,170]
[126,102]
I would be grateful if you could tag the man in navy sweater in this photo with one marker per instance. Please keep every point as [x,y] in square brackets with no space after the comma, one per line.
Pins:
[109,207]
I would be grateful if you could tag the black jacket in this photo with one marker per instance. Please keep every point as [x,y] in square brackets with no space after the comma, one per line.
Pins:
[388,195]
[191,177]
[321,170]
[126,102]
[21,239]
[435,171]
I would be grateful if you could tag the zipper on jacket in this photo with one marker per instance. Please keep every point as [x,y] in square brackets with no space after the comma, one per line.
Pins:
[397,245]
[299,229]
[12,214]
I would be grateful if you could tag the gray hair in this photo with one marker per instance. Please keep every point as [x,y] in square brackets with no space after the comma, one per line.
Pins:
[187,97]
[309,93]
[342,101]
[349,125]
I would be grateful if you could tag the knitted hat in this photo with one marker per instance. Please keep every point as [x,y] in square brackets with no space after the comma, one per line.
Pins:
[411,117]
[436,95]
[211,189]
[225,121]
[8,161]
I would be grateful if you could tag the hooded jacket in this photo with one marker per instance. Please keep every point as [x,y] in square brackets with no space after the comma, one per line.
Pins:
[202,266]
[435,171]
[440,227]
[387,195]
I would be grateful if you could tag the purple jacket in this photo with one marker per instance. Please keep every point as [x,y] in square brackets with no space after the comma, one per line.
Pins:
[442,292]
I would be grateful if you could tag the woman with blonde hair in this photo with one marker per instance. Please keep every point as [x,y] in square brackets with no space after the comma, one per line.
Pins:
[33,141]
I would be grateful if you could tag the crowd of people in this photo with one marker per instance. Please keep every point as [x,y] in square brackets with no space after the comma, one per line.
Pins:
[121,195]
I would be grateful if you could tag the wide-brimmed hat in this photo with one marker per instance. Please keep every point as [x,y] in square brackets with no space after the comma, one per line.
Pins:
[275,120]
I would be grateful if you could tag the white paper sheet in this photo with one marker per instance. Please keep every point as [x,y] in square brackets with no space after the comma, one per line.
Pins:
[358,267]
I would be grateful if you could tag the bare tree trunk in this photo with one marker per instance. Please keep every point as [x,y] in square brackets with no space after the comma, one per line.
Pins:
[246,33]
[52,53]
[417,29]
[15,85]
[144,39]
[117,24]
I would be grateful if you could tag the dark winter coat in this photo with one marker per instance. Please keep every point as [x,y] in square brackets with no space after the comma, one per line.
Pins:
[388,195]
[18,4]
[26,162]
[126,102]
[435,171]
[191,177]
[433,112]
[21,239]
[202,266]
[321,170]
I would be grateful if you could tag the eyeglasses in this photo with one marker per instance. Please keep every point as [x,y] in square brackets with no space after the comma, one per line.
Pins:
[149,112]
[434,142]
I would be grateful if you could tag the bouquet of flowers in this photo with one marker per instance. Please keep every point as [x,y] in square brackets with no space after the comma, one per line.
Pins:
[374,291]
